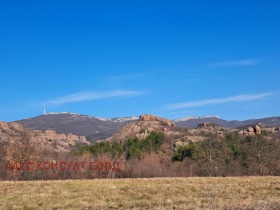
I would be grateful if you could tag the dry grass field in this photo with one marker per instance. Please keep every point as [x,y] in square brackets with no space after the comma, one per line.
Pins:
[155,193]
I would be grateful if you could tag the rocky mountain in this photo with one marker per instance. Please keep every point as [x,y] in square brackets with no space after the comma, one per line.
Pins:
[171,152]
[49,140]
[178,136]
[95,128]
[149,123]
[83,125]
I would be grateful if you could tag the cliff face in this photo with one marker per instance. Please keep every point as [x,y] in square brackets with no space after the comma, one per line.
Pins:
[149,117]
[49,139]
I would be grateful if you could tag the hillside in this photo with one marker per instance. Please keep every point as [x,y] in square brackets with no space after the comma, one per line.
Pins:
[192,122]
[14,135]
[179,135]
[95,128]
[151,146]
[83,125]
[146,125]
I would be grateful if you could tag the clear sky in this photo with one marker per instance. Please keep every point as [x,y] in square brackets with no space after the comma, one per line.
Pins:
[125,58]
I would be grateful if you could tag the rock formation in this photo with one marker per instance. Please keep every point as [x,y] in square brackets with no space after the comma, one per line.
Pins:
[257,129]
[251,131]
[139,129]
[49,140]
[149,123]
[148,117]
[207,125]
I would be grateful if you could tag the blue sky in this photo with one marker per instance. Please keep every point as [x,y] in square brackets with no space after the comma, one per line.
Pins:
[125,58]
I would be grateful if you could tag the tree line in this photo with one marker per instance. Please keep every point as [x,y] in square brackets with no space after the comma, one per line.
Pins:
[154,156]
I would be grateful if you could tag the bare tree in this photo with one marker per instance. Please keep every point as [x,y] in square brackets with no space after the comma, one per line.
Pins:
[21,150]
[263,155]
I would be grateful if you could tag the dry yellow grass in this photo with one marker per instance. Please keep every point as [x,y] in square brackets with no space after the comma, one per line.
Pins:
[156,193]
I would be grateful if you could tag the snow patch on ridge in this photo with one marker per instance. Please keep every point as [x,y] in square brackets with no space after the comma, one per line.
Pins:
[194,118]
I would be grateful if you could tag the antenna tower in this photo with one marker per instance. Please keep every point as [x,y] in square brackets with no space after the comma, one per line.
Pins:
[45,109]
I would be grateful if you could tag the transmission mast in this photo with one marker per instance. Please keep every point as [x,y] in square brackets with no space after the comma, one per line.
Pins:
[45,109]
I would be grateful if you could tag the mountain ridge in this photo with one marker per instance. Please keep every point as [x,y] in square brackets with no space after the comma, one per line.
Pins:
[96,128]
[83,125]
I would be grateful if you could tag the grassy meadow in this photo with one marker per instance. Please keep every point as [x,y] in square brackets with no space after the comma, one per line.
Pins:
[153,193]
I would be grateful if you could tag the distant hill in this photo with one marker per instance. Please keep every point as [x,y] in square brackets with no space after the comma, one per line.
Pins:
[83,125]
[192,122]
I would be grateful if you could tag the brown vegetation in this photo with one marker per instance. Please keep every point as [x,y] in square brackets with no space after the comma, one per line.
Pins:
[163,151]
[156,193]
